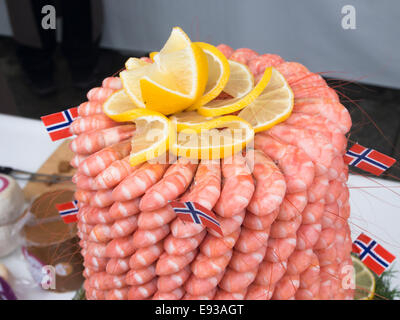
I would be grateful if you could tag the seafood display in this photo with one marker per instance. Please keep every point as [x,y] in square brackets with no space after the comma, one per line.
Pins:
[282,205]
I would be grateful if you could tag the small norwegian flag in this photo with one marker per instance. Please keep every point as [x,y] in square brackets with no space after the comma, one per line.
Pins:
[372,254]
[57,124]
[194,212]
[368,159]
[68,211]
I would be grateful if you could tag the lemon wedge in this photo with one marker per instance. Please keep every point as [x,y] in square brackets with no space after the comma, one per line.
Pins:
[218,74]
[116,106]
[273,105]
[153,135]
[174,81]
[365,281]
[240,87]
[188,120]
[226,138]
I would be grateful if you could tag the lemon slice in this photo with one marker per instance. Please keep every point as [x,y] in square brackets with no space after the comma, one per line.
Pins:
[134,63]
[218,74]
[224,140]
[273,105]
[188,120]
[365,281]
[240,88]
[117,105]
[174,81]
[154,132]
[153,54]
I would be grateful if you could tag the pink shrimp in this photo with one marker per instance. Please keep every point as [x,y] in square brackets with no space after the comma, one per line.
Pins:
[331,214]
[176,294]
[102,199]
[101,233]
[97,249]
[253,222]
[174,182]
[327,255]
[293,71]
[117,294]
[99,94]
[136,184]
[286,287]
[257,292]
[336,169]
[124,227]
[200,286]
[251,240]
[120,247]
[270,184]
[157,218]
[330,109]
[77,160]
[141,276]
[335,188]
[94,216]
[238,186]
[94,294]
[100,160]
[146,256]
[280,249]
[224,295]
[120,210]
[296,166]
[112,83]
[226,50]
[243,262]
[207,296]
[215,246]
[95,263]
[205,267]
[181,246]
[313,212]
[313,143]
[168,264]
[308,235]
[229,225]
[145,238]
[173,281]
[325,239]
[90,108]
[83,182]
[283,229]
[299,261]
[84,227]
[117,266]
[90,123]
[243,55]
[114,174]
[258,64]
[93,141]
[319,188]
[293,204]
[234,281]
[316,92]
[311,80]
[105,281]
[143,291]
[269,273]
[87,273]
[84,196]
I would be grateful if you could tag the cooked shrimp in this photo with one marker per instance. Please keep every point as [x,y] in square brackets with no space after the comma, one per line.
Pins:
[174,182]
[205,267]
[296,166]
[94,263]
[168,264]
[77,160]
[216,246]
[181,246]
[229,225]
[335,188]
[136,184]
[253,222]
[243,55]
[286,288]
[137,277]
[244,262]
[94,216]
[120,247]
[173,281]
[283,229]
[157,218]
[145,238]
[258,64]
[100,160]
[313,212]
[207,296]
[117,294]
[84,196]
[238,186]
[89,108]
[124,227]
[143,291]
[270,184]
[280,249]
[101,233]
[105,281]
[293,71]
[84,182]
[293,204]
[146,256]
[200,286]
[93,141]
[251,240]
[99,94]
[97,249]
[117,266]
[224,295]
[307,235]
[327,255]
[112,83]
[120,210]
[299,261]
[319,188]
[90,123]
[226,50]
[269,273]
[325,239]
[176,294]
[102,199]
[234,281]
[257,292]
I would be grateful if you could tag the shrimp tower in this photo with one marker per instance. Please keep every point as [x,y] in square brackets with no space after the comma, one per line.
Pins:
[284,222]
